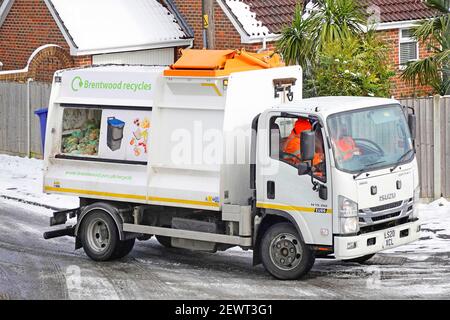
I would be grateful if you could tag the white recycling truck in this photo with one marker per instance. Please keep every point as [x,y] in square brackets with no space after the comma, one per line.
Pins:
[195,155]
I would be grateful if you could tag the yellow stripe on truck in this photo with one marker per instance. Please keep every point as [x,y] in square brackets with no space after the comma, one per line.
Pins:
[284,207]
[191,202]
[214,86]
[131,196]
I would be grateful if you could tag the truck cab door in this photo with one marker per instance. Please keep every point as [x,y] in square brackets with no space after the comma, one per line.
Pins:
[280,188]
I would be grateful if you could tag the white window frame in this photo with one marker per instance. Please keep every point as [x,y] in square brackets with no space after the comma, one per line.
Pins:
[406,40]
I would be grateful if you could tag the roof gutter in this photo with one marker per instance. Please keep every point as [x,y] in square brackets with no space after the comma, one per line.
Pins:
[159,45]
[397,25]
[4,10]
[180,19]
[65,32]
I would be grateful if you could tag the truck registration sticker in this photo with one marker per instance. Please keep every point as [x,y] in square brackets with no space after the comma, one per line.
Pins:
[389,237]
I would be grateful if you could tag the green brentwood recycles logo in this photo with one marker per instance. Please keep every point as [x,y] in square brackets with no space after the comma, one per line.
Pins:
[79,84]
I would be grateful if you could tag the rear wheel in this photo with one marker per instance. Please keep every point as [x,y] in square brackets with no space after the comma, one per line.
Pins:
[165,241]
[100,237]
[124,248]
[284,254]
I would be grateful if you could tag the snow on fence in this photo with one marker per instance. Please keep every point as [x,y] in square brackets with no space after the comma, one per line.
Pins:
[433,144]
[14,113]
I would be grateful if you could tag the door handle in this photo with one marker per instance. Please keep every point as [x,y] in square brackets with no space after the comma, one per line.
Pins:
[271,190]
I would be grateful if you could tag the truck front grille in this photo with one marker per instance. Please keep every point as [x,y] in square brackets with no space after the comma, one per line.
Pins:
[383,225]
[386,206]
[385,213]
[387,216]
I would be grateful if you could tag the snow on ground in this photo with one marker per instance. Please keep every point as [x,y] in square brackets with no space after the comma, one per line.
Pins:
[21,178]
[435,235]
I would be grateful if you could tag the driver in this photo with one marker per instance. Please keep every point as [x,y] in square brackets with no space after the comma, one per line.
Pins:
[292,144]
[345,146]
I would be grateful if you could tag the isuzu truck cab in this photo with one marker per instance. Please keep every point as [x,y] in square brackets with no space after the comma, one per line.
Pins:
[200,162]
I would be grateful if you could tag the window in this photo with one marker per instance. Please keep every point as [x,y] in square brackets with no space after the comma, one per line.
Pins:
[370,139]
[409,47]
[81,132]
[285,143]
[118,135]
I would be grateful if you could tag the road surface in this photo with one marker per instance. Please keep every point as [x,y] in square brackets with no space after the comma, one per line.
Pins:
[34,268]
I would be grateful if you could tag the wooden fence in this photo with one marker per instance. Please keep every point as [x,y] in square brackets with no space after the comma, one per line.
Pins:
[14,111]
[433,144]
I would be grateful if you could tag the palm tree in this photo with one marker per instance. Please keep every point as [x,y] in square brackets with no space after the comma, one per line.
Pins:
[330,20]
[435,69]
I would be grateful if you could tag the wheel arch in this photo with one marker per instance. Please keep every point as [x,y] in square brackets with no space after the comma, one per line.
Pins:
[110,209]
[271,217]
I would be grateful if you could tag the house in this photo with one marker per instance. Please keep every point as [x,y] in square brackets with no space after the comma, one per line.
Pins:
[257,24]
[38,37]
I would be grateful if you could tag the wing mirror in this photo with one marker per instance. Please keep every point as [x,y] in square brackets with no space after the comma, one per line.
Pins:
[307,145]
[412,123]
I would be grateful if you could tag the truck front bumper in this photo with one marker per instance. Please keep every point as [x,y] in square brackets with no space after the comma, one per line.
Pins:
[369,243]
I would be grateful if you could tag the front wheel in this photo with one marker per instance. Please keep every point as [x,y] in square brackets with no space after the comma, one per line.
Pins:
[284,254]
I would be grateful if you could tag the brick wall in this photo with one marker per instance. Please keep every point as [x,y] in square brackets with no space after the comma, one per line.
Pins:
[227,37]
[28,26]
[399,87]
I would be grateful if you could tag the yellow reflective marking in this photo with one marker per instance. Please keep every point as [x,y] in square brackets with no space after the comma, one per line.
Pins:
[192,202]
[131,196]
[290,208]
[96,193]
[213,85]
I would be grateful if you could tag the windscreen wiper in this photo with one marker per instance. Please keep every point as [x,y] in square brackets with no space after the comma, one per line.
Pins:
[367,167]
[401,159]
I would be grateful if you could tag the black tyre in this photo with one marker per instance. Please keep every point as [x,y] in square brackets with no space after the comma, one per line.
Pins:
[361,259]
[124,248]
[165,241]
[284,254]
[100,237]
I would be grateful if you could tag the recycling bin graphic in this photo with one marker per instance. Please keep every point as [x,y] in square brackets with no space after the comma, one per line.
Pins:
[115,133]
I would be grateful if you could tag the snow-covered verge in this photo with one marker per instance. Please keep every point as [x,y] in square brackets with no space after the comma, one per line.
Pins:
[21,178]
[435,235]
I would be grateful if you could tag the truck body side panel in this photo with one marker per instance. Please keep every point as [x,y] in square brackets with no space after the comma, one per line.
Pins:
[193,161]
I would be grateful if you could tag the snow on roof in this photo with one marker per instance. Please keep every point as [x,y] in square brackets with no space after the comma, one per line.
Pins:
[252,26]
[100,26]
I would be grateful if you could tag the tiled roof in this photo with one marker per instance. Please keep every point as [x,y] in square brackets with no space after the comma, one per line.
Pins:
[275,14]
[402,10]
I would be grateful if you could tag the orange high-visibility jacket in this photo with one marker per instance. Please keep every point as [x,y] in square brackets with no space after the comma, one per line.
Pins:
[346,147]
[292,144]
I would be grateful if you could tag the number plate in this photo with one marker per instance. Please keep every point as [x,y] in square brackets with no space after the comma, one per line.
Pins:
[389,237]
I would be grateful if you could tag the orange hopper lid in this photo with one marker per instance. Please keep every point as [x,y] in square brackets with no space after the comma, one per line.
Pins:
[219,63]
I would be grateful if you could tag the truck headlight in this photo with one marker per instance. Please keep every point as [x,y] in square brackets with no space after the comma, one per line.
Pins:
[416,200]
[348,215]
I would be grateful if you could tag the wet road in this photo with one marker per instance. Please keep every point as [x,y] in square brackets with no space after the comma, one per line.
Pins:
[34,268]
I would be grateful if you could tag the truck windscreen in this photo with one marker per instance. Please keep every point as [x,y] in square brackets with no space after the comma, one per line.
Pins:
[370,139]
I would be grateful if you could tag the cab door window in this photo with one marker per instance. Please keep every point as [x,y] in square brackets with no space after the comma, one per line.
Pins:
[285,134]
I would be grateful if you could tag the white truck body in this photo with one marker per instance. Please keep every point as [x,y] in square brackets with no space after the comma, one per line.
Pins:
[209,150]
[199,108]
